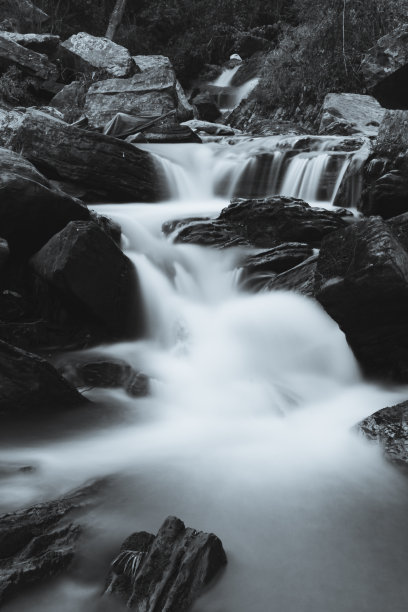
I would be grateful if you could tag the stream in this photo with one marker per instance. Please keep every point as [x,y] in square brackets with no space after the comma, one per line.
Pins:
[248,430]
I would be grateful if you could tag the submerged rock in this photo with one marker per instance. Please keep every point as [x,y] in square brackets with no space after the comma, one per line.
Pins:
[389,428]
[89,269]
[166,572]
[362,282]
[30,385]
[114,169]
[262,223]
[101,52]
[38,543]
[347,114]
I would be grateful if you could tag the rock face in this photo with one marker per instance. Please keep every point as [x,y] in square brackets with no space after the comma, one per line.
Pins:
[101,53]
[165,573]
[31,212]
[153,92]
[30,62]
[386,174]
[362,282]
[30,385]
[262,223]
[38,543]
[389,428]
[346,114]
[300,278]
[385,69]
[106,373]
[91,271]
[114,169]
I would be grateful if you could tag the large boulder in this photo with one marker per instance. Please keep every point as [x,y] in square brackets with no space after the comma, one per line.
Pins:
[39,542]
[262,223]
[386,173]
[30,385]
[90,270]
[206,107]
[152,92]
[40,43]
[70,100]
[388,427]
[101,53]
[31,211]
[167,571]
[362,282]
[114,169]
[347,114]
[385,69]
[27,60]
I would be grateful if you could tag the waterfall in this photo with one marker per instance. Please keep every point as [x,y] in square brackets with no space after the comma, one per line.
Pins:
[227,95]
[247,431]
[256,168]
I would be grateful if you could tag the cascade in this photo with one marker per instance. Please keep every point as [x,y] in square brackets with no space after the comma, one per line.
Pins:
[227,95]
[247,431]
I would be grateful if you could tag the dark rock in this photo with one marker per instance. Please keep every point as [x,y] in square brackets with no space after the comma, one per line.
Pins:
[170,134]
[101,53]
[262,223]
[30,385]
[38,543]
[4,252]
[347,114]
[166,572]
[105,373]
[247,43]
[110,227]
[385,69]
[207,109]
[300,279]
[26,13]
[114,169]
[90,270]
[31,212]
[362,282]
[385,174]
[389,428]
[71,100]
[30,62]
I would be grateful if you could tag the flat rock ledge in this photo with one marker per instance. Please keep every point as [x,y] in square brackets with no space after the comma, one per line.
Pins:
[166,572]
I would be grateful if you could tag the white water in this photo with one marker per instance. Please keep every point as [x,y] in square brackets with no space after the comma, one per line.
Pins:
[233,95]
[247,434]
[254,167]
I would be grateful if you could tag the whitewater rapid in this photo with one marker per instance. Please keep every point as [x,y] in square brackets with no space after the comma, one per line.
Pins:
[248,433]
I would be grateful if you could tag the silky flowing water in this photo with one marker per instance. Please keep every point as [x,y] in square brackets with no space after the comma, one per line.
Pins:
[247,433]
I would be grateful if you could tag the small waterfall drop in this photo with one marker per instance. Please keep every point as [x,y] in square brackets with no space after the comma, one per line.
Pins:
[227,95]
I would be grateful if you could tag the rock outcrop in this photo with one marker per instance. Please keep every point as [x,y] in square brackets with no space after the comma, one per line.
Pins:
[38,543]
[386,173]
[389,428]
[385,69]
[31,211]
[362,282]
[91,272]
[167,571]
[101,53]
[30,386]
[113,169]
[262,223]
[347,114]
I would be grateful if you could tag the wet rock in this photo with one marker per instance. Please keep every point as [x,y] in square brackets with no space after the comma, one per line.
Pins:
[214,129]
[39,542]
[385,68]
[385,174]
[40,43]
[30,385]
[166,572]
[347,114]
[362,282]
[105,373]
[101,53]
[262,223]
[207,109]
[30,62]
[389,428]
[150,93]
[113,169]
[89,269]
[31,211]
[300,278]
